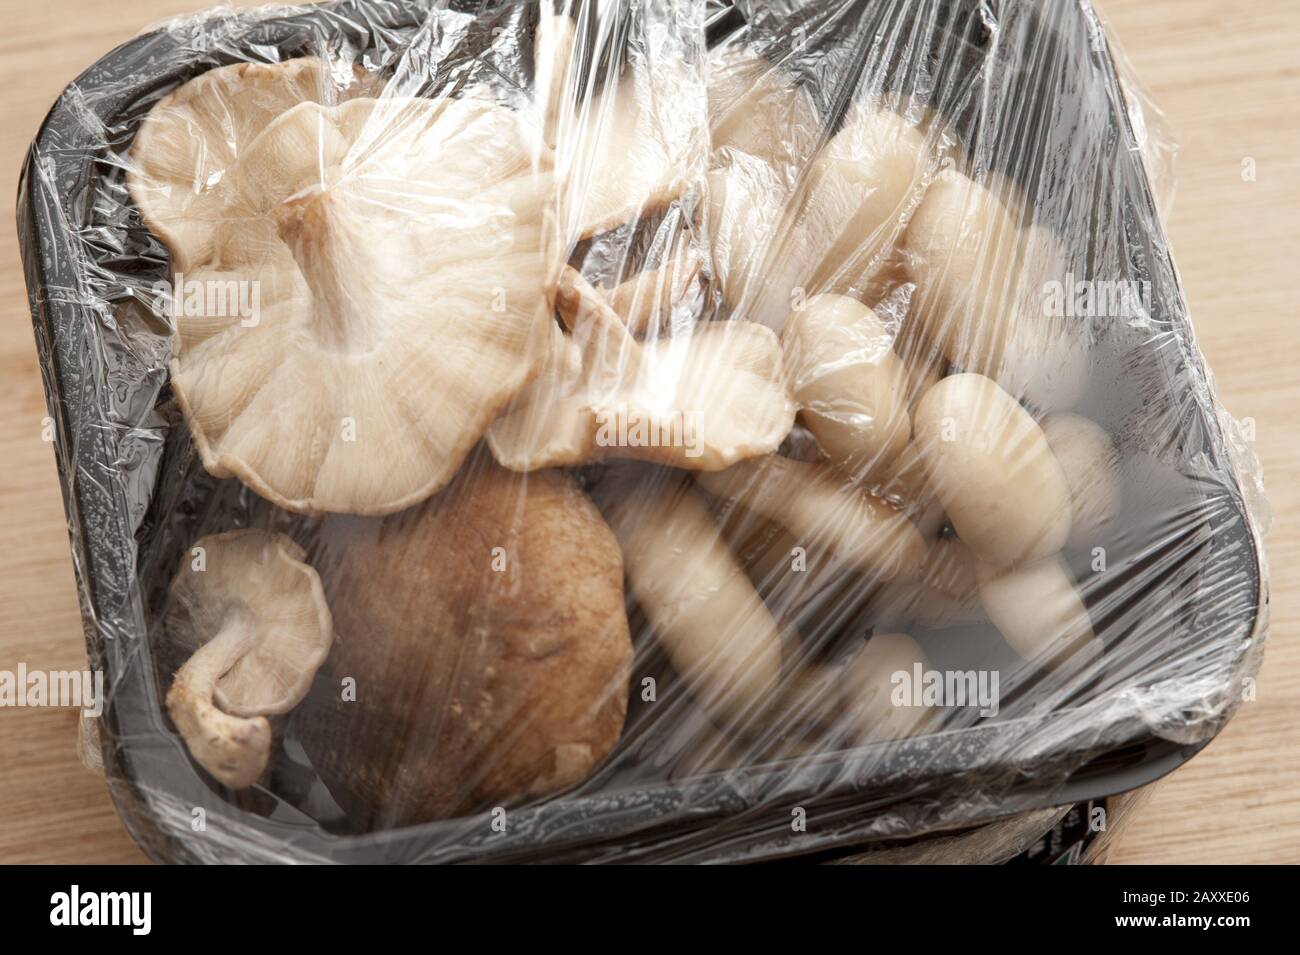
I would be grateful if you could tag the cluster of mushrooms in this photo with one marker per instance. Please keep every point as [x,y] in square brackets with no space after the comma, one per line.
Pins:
[430,375]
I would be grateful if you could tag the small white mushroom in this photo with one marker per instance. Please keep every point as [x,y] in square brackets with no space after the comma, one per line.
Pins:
[992,468]
[850,385]
[1091,465]
[873,710]
[945,595]
[257,615]
[703,399]
[703,608]
[824,512]
[1037,608]
[862,189]
[981,289]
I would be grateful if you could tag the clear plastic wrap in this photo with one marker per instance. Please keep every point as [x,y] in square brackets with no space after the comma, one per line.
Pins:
[660,430]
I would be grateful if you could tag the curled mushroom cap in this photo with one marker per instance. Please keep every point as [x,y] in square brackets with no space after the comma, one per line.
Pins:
[700,400]
[415,232]
[257,616]
[179,174]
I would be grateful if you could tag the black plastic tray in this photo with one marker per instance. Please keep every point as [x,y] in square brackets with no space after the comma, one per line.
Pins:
[114,448]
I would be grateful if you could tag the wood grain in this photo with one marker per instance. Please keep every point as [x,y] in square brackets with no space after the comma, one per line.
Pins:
[1228,80]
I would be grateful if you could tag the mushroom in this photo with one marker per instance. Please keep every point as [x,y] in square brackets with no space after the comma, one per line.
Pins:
[850,385]
[180,162]
[765,130]
[1039,612]
[648,301]
[1087,457]
[981,282]
[867,688]
[636,147]
[257,616]
[486,635]
[705,612]
[763,256]
[822,510]
[862,188]
[993,470]
[356,395]
[945,595]
[703,399]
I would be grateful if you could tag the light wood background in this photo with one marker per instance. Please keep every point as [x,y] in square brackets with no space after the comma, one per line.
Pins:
[1228,78]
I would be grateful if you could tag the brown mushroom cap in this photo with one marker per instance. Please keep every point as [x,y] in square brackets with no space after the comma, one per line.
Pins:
[256,617]
[409,235]
[483,677]
[700,400]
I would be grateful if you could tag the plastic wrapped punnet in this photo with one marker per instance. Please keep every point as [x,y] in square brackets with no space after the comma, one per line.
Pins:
[643,431]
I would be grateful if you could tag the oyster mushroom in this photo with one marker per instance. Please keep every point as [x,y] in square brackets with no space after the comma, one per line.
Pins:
[257,616]
[700,400]
[417,230]
[487,637]
[635,147]
[179,171]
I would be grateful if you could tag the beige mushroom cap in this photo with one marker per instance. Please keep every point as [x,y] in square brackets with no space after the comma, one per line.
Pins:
[701,400]
[415,230]
[634,148]
[180,161]
[257,619]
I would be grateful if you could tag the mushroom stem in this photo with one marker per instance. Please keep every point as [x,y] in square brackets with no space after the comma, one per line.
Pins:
[235,750]
[597,328]
[333,259]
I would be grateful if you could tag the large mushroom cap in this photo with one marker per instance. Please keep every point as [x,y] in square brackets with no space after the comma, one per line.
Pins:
[701,400]
[256,618]
[488,640]
[414,231]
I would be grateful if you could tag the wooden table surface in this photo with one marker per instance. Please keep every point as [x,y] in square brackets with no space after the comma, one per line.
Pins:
[1228,79]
